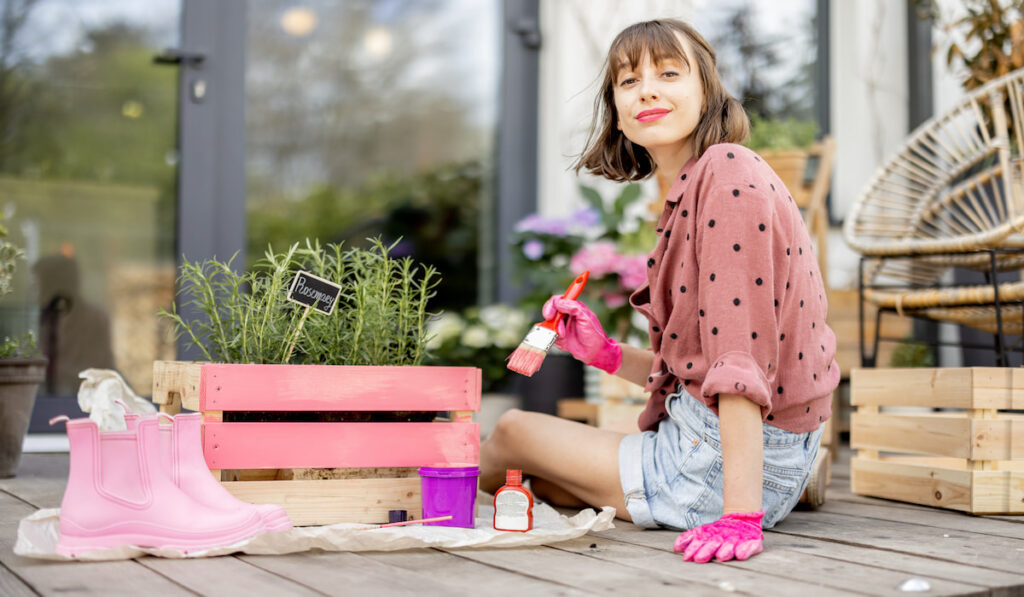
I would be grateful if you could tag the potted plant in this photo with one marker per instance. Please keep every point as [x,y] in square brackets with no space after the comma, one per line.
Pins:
[784,145]
[611,238]
[292,395]
[21,372]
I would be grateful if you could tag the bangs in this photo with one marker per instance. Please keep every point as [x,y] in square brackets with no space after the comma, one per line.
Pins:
[652,39]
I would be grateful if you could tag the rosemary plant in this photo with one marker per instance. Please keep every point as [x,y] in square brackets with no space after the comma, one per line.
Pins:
[380,317]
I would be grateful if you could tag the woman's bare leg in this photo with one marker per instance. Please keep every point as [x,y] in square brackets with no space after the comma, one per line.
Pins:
[554,495]
[576,458]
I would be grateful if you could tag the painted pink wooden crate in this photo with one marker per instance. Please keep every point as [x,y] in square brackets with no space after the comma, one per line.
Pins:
[256,453]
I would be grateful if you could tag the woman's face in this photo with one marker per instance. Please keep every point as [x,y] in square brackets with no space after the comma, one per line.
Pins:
[659,104]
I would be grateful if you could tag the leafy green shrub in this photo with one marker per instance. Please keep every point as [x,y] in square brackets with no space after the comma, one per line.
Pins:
[787,133]
[380,317]
[9,255]
[912,354]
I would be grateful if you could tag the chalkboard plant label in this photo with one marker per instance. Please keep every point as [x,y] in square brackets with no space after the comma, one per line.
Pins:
[315,292]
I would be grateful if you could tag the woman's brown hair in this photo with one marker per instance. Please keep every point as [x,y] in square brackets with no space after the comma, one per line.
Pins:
[608,152]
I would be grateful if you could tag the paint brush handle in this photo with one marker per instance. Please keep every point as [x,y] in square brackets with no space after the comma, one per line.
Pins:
[420,521]
[572,293]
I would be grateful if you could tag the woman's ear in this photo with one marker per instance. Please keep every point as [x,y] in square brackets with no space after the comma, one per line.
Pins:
[618,124]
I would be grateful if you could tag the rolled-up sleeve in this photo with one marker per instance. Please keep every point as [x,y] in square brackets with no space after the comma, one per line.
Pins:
[738,292]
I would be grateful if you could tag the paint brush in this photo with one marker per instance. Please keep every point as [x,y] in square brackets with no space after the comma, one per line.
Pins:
[526,359]
[408,522]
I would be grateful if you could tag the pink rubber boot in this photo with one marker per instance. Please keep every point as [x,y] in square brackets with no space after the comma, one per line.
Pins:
[182,448]
[181,453]
[118,494]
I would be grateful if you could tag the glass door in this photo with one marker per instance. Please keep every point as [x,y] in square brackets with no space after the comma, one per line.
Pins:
[370,118]
[88,171]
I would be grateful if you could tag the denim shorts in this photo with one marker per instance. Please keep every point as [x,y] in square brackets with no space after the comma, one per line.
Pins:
[672,478]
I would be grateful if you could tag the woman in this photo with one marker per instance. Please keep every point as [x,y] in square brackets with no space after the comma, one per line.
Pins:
[740,366]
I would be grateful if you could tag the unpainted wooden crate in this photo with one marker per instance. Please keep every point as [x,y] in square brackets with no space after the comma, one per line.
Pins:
[326,472]
[959,447]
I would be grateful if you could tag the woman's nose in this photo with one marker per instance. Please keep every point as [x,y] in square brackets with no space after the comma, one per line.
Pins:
[648,92]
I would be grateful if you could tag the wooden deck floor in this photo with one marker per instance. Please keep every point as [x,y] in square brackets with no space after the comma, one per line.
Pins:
[852,546]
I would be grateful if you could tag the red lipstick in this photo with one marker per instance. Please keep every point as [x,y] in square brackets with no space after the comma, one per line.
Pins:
[651,115]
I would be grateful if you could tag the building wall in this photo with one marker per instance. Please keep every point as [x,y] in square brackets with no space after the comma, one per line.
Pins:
[576,35]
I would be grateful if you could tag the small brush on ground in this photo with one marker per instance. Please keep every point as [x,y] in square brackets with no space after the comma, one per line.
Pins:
[527,359]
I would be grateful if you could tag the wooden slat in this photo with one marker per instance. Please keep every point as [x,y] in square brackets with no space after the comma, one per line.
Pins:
[966,387]
[985,553]
[339,445]
[83,578]
[351,575]
[944,488]
[782,569]
[225,576]
[328,501]
[602,577]
[952,436]
[651,552]
[12,586]
[176,384]
[337,387]
[978,492]
[465,576]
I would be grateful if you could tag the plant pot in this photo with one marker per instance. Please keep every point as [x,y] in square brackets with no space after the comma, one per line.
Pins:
[789,164]
[19,380]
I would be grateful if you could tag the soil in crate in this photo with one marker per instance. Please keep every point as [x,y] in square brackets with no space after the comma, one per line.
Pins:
[330,416]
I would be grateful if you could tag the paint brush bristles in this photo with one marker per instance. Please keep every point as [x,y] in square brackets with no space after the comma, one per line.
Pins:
[528,357]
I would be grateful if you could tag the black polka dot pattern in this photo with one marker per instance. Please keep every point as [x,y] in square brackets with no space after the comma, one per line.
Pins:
[713,305]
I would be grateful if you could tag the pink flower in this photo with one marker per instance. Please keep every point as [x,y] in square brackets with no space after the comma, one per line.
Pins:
[613,300]
[599,257]
[632,270]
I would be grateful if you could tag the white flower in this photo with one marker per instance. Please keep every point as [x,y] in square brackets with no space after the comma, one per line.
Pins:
[507,338]
[494,316]
[476,336]
[517,322]
[442,328]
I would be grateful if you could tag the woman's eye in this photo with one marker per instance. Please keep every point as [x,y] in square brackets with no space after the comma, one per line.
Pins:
[670,73]
[627,81]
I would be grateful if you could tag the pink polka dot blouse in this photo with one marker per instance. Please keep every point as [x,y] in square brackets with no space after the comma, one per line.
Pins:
[734,298]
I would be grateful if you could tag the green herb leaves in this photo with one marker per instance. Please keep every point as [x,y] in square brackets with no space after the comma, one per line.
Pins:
[246,318]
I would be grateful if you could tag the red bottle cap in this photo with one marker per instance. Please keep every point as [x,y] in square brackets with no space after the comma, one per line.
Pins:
[513,477]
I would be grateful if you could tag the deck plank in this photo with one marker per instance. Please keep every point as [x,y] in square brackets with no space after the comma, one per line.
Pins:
[778,567]
[746,577]
[347,573]
[46,577]
[932,517]
[977,549]
[12,586]
[226,575]
[603,576]
[467,576]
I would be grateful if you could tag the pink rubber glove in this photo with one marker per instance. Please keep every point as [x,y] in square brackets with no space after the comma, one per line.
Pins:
[736,535]
[581,335]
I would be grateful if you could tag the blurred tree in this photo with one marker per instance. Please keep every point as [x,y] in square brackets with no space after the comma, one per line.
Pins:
[770,74]
[435,213]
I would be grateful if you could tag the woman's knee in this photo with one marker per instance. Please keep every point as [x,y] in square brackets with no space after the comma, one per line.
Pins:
[509,422]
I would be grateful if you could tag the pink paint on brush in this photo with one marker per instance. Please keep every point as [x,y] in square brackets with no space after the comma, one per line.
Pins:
[527,359]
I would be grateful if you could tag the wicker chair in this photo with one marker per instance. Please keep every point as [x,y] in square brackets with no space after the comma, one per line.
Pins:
[953,195]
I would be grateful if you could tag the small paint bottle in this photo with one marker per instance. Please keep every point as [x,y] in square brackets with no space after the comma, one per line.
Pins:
[513,504]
